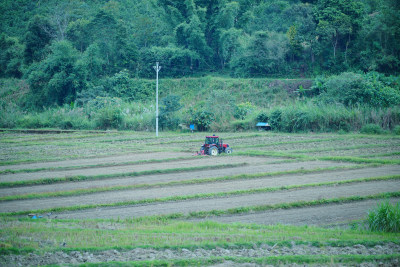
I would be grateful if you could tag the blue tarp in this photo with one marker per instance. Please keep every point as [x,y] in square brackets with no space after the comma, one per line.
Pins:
[262,124]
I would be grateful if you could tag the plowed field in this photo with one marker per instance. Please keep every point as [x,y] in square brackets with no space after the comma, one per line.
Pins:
[98,179]
[136,183]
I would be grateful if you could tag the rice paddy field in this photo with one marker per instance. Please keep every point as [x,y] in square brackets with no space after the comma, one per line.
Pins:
[133,199]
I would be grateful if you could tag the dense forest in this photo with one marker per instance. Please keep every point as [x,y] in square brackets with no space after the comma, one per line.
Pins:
[55,53]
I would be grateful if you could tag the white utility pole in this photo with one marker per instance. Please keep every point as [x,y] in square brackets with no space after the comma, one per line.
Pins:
[157,69]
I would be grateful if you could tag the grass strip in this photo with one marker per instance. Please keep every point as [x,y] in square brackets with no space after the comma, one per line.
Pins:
[294,142]
[204,196]
[290,205]
[48,138]
[323,149]
[359,160]
[329,260]
[381,155]
[8,171]
[255,153]
[187,182]
[107,176]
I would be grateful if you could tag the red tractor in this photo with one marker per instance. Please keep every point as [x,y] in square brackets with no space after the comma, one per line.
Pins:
[213,146]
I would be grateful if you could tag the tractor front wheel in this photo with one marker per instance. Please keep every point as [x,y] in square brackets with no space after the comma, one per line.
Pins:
[213,151]
[228,150]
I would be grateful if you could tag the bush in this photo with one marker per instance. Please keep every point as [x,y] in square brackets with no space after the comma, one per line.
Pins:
[202,119]
[243,110]
[371,129]
[109,118]
[353,89]
[385,218]
[262,117]
[240,125]
[396,130]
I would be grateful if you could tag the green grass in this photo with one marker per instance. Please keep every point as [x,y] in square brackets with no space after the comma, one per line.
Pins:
[381,155]
[23,235]
[385,218]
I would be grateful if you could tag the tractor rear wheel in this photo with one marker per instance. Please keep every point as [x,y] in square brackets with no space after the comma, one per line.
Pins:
[213,151]
[228,150]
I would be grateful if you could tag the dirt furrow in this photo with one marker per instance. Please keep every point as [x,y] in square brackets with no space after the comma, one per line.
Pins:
[99,160]
[319,215]
[171,191]
[201,161]
[307,194]
[183,176]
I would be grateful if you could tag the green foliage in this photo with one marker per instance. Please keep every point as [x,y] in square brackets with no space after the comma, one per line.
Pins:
[175,61]
[11,56]
[109,118]
[244,38]
[202,118]
[262,117]
[243,110]
[245,124]
[396,130]
[264,54]
[371,129]
[352,89]
[309,116]
[168,118]
[55,79]
[385,218]
[37,39]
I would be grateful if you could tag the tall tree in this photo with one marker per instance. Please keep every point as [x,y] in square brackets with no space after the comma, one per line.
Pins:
[36,39]
[338,21]
[54,80]
[11,56]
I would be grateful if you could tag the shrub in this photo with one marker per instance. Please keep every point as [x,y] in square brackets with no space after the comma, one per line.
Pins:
[243,110]
[396,130]
[385,218]
[240,125]
[353,89]
[109,118]
[262,117]
[203,119]
[371,129]
[168,117]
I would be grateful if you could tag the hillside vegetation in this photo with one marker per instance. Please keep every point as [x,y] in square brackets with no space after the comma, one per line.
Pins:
[303,65]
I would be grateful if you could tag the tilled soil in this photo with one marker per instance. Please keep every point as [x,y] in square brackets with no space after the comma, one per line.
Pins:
[287,196]
[140,254]
[200,174]
[42,147]
[192,189]
[319,215]
[201,161]
[98,160]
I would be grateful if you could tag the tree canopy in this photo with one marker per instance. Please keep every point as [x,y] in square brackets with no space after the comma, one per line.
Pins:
[67,47]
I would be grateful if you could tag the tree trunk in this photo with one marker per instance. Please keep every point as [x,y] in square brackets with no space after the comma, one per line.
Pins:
[334,44]
[347,45]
